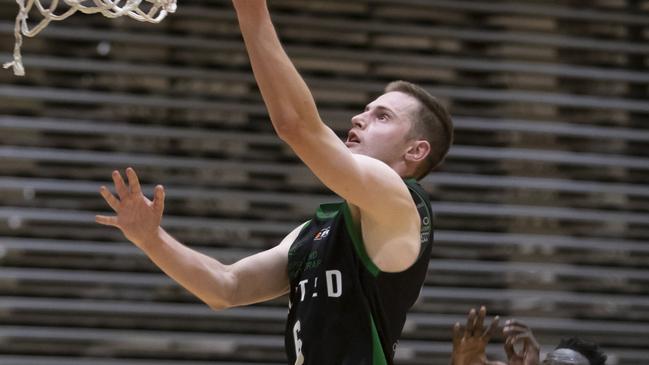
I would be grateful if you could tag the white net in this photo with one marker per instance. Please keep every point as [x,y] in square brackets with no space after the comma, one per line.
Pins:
[143,10]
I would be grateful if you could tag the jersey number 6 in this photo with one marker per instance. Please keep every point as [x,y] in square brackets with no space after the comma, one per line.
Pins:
[299,358]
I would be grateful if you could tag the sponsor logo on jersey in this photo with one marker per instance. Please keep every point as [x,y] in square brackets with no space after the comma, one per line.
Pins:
[322,234]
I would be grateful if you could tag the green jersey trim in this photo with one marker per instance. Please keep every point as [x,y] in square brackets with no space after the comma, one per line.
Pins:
[357,239]
[304,227]
[378,356]
[327,211]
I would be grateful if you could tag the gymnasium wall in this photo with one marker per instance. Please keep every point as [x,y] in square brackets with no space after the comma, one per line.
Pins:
[542,207]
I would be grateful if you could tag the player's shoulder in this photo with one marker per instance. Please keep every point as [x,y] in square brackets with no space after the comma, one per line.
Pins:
[380,172]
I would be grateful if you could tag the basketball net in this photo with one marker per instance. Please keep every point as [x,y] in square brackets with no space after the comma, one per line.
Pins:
[157,11]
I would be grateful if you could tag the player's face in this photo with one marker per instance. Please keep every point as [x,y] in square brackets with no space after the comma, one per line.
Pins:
[382,130]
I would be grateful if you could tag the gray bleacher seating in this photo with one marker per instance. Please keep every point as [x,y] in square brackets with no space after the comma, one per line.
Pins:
[542,207]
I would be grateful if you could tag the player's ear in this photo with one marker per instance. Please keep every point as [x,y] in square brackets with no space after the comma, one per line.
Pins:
[418,151]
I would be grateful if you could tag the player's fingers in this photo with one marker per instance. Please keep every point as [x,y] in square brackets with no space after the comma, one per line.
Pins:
[511,330]
[531,341]
[509,348]
[513,322]
[493,327]
[109,198]
[522,338]
[120,186]
[106,220]
[457,337]
[159,199]
[133,181]
[507,322]
[470,322]
[479,321]
[525,337]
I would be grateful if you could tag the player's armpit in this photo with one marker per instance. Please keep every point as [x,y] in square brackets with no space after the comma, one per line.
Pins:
[393,244]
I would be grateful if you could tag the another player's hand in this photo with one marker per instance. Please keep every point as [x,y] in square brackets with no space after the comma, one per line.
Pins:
[517,332]
[137,217]
[469,345]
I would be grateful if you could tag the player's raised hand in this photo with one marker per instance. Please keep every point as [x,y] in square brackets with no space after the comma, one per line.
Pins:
[137,217]
[469,345]
[515,333]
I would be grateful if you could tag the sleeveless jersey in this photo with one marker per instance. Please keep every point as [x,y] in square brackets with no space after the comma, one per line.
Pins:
[343,310]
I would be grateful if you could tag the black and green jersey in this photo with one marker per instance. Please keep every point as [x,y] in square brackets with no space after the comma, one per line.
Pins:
[343,310]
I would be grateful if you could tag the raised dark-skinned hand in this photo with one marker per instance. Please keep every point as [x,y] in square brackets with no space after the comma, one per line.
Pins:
[469,345]
[516,333]
[136,216]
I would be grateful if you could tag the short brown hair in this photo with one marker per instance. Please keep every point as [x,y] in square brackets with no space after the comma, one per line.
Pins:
[432,123]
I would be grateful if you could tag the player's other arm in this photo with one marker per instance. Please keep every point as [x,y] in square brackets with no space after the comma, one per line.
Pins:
[256,278]
[365,182]
[287,97]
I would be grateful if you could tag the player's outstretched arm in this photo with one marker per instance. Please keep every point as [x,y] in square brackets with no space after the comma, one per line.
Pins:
[369,184]
[287,97]
[253,279]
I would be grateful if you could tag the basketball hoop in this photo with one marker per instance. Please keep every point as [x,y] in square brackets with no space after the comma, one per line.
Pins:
[153,11]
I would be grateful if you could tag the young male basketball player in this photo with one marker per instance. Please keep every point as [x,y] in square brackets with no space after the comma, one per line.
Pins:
[357,266]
